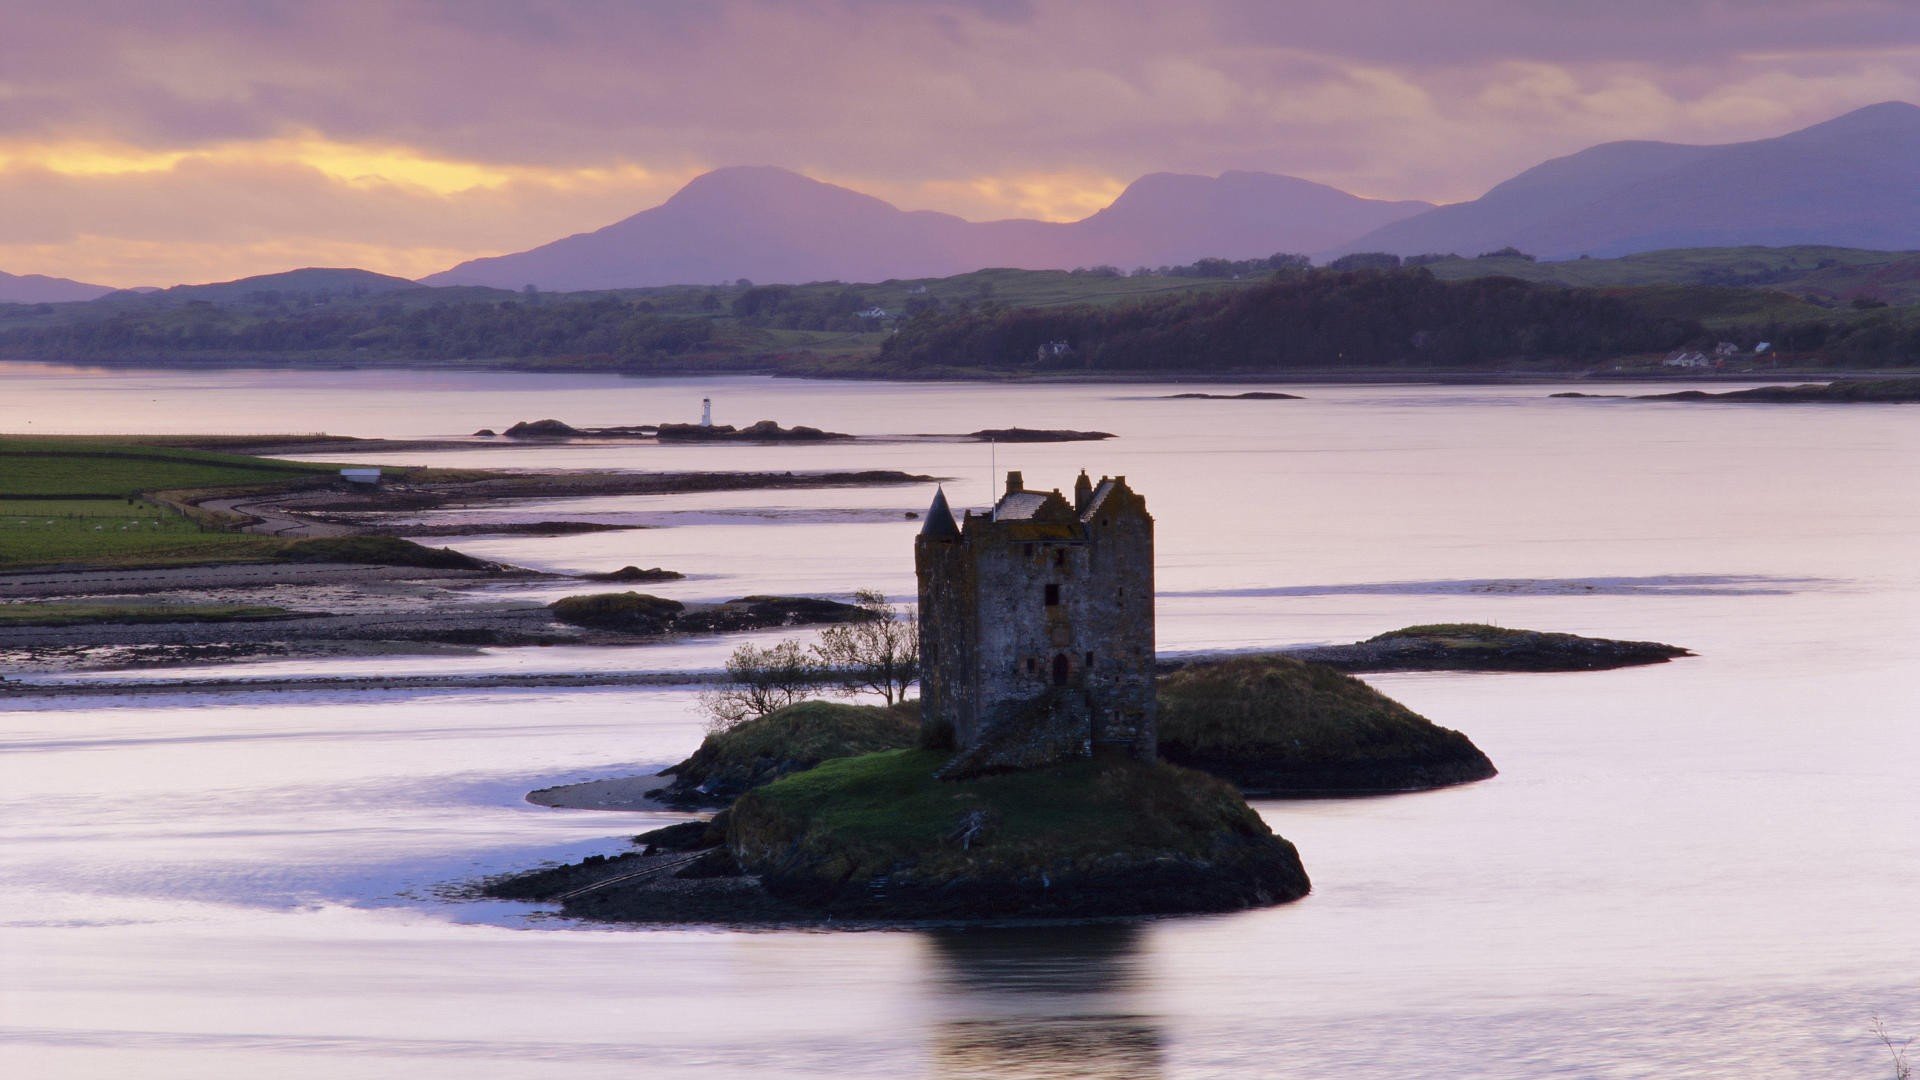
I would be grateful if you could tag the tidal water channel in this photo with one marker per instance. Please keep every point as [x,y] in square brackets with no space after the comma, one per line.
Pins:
[1703,868]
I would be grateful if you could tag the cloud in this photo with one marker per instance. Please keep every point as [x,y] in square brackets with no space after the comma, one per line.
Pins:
[401,129]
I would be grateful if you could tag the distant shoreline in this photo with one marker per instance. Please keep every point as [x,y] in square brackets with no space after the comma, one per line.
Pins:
[1299,376]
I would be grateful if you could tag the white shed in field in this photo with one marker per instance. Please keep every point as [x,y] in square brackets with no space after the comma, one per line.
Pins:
[360,476]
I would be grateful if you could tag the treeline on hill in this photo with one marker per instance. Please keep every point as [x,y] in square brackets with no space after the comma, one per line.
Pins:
[1279,314]
[629,333]
[1322,319]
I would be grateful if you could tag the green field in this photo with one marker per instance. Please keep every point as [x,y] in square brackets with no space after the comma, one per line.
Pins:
[115,532]
[73,501]
[68,468]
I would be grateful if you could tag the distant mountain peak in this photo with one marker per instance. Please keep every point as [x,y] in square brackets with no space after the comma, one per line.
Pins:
[1852,181]
[41,289]
[771,224]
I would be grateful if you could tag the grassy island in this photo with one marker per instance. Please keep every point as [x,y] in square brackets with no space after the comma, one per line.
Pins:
[1280,727]
[730,763]
[878,838]
[878,835]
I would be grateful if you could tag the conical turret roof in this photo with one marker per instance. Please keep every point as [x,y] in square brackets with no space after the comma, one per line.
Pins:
[940,524]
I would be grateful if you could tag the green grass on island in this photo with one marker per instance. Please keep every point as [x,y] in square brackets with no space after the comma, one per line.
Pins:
[786,741]
[1108,836]
[1276,725]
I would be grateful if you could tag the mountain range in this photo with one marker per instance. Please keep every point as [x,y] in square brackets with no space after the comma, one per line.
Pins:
[772,225]
[40,289]
[1853,181]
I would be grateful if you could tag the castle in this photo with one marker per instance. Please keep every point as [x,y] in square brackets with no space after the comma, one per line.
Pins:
[1036,626]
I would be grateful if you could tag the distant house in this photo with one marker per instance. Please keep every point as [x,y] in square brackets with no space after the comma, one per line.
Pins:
[369,477]
[1049,350]
[873,313]
[1688,360]
[1762,347]
[1726,348]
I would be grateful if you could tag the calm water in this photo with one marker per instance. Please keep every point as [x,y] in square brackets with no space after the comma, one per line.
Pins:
[1706,868]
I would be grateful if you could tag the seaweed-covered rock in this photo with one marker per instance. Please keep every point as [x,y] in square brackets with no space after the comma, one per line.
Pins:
[641,613]
[759,431]
[633,575]
[761,612]
[1280,727]
[628,612]
[880,837]
[1478,647]
[541,429]
[1250,395]
[798,737]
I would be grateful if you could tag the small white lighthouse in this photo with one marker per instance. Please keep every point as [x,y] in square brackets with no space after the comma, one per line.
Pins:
[706,412]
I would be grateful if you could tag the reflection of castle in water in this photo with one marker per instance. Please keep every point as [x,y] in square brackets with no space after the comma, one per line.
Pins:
[1000,981]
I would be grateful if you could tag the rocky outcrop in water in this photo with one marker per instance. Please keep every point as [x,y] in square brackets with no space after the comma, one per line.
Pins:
[1279,727]
[640,613]
[760,431]
[1250,395]
[633,574]
[1478,647]
[1840,391]
[1036,435]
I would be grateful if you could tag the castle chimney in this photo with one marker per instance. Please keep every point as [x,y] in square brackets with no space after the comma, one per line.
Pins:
[1014,483]
[1082,493]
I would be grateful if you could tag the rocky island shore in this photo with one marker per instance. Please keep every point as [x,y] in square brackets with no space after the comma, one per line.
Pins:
[877,838]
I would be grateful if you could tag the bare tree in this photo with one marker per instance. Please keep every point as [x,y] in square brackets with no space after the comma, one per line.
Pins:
[1902,1069]
[760,681]
[878,652]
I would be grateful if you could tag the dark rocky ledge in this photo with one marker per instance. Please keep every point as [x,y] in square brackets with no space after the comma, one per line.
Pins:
[1840,391]
[760,431]
[1036,435]
[633,574]
[1478,647]
[1251,395]
[639,613]
[877,838]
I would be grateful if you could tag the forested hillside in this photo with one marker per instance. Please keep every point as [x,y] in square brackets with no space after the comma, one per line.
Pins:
[1258,316]
[1322,319]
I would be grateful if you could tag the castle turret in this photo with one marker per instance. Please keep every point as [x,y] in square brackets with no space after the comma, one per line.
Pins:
[940,524]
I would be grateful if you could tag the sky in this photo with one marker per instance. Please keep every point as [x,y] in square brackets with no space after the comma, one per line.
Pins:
[164,142]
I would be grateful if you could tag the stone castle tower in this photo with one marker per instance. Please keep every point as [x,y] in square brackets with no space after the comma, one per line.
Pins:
[1036,626]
